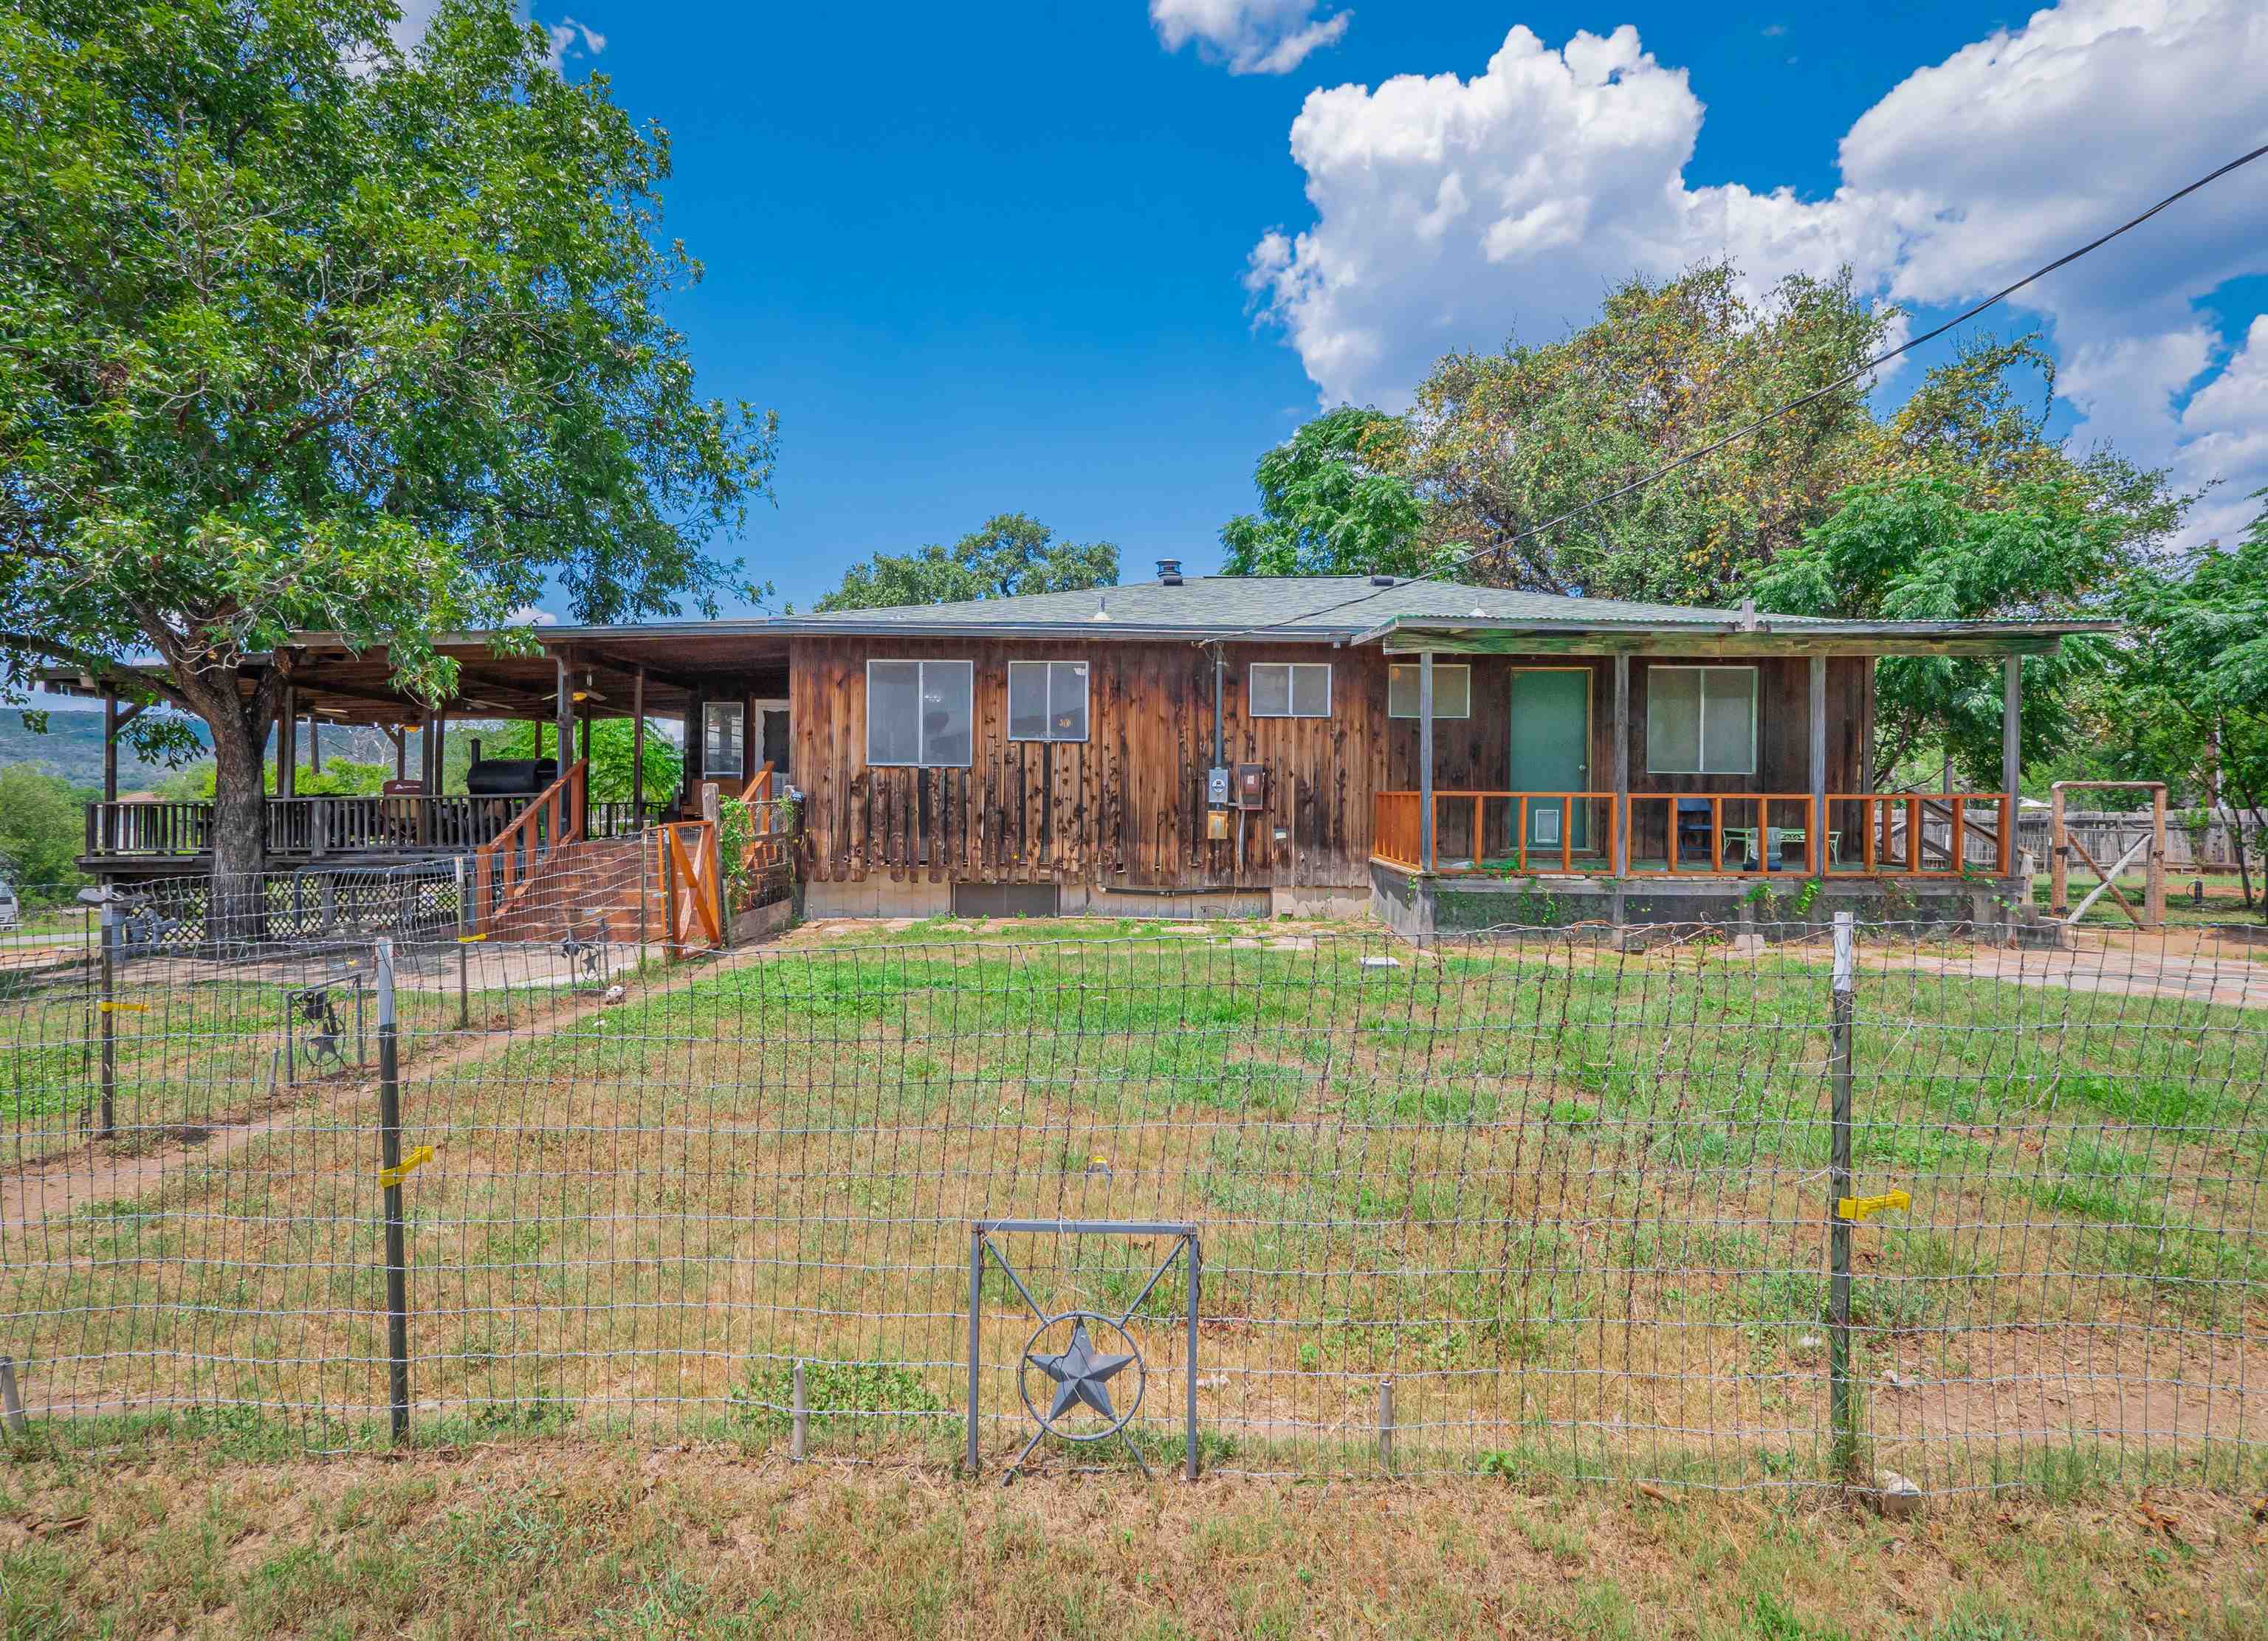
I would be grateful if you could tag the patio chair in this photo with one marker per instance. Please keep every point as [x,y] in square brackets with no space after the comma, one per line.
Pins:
[1692,827]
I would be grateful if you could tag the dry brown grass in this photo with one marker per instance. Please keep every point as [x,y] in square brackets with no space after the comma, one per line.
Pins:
[604,1539]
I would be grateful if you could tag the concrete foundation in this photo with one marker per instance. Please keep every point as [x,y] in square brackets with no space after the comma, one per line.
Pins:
[886,897]
[1425,908]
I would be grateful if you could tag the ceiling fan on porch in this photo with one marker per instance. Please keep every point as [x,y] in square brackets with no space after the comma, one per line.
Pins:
[590,691]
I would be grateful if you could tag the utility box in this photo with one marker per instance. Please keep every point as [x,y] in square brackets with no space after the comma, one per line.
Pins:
[1252,786]
[1217,825]
[1217,784]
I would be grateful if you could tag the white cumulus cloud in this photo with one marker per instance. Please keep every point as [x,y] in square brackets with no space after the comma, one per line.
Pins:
[1250,36]
[1454,212]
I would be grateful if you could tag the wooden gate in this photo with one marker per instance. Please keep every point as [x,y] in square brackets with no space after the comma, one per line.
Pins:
[691,892]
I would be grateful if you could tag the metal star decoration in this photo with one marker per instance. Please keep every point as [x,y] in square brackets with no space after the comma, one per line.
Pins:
[1081,1375]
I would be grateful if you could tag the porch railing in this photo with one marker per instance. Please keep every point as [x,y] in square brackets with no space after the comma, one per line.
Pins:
[308,827]
[1909,834]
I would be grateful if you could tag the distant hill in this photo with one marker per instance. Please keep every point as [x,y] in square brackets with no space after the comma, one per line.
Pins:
[72,748]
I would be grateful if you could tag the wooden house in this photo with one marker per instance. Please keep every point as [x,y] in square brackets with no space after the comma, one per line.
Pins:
[1313,745]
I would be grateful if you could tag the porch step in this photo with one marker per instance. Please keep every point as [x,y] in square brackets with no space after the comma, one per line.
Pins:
[588,888]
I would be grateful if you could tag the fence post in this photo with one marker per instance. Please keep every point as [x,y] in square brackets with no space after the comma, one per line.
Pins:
[1386,1425]
[464,951]
[800,1424]
[389,1151]
[1839,1187]
[11,1400]
[106,1123]
[975,1333]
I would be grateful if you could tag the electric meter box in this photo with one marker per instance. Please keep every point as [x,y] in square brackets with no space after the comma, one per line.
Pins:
[1217,782]
[1252,786]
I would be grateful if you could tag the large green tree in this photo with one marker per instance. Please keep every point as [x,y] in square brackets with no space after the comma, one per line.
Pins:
[2190,680]
[1498,445]
[1334,501]
[300,332]
[1009,554]
[1915,551]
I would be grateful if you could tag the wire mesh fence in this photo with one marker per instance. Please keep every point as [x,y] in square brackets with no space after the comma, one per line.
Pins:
[1556,1200]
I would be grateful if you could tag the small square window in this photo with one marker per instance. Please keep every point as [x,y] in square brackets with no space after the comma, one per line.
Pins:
[919,713]
[1290,689]
[1701,720]
[1046,700]
[1453,689]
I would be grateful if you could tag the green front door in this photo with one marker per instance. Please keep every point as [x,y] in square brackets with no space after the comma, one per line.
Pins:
[1551,750]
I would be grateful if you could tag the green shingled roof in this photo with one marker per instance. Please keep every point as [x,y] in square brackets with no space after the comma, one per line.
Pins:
[1326,606]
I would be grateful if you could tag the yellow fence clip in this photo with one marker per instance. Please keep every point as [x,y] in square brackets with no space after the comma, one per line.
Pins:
[123,1008]
[417,1158]
[1858,1208]
[470,939]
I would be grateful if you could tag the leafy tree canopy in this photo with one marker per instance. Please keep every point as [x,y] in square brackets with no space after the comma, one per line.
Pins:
[1334,501]
[1914,550]
[40,833]
[1010,554]
[1495,444]
[301,333]
[2188,696]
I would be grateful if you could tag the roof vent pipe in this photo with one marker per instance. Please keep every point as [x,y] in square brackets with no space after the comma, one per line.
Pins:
[1747,614]
[1169,572]
[1101,609]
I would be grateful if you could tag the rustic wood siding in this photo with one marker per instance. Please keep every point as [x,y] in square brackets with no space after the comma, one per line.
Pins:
[1127,807]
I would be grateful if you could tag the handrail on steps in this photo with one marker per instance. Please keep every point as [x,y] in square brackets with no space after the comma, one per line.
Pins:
[504,866]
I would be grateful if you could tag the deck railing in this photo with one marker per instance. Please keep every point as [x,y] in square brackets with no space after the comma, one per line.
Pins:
[310,826]
[1740,835]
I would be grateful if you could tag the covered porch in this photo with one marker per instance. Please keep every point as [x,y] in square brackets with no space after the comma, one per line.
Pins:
[571,680]
[1680,766]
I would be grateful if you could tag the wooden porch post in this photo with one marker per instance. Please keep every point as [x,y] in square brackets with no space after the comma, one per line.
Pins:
[287,745]
[2011,758]
[1817,852]
[637,748]
[400,737]
[1620,820]
[564,724]
[440,752]
[110,744]
[314,745]
[1425,764]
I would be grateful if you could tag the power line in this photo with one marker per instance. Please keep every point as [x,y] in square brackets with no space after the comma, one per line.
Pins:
[1794,405]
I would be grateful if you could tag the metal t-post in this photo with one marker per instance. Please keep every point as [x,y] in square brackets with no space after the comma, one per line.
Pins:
[107,1118]
[389,1151]
[1839,1187]
[464,950]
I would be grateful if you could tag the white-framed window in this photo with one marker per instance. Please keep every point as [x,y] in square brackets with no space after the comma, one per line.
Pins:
[920,713]
[1453,689]
[1046,700]
[1701,720]
[724,729]
[1290,689]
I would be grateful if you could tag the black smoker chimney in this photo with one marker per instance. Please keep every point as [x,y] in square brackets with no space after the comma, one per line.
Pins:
[1169,572]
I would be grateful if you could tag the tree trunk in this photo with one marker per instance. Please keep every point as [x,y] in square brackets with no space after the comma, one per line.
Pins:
[239,829]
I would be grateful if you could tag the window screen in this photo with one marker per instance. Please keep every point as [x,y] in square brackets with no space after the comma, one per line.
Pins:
[722,726]
[918,712]
[1047,700]
[1701,720]
[1291,690]
[1452,690]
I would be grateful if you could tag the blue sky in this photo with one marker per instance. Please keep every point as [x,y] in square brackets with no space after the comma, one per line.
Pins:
[995,258]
